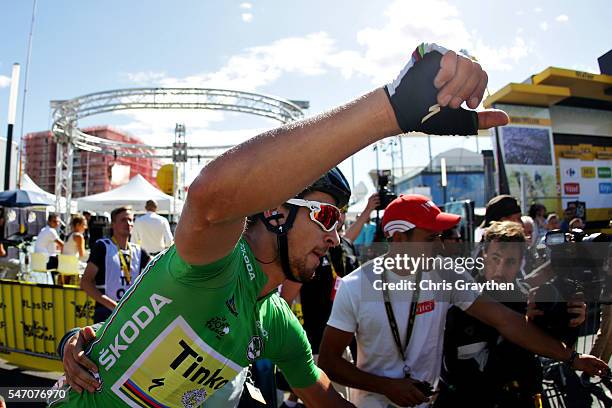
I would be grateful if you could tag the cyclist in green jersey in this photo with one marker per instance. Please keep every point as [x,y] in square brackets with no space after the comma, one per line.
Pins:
[207,307]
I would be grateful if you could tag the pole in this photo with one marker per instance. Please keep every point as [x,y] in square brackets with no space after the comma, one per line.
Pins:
[353,172]
[12,112]
[430,157]
[444,180]
[87,176]
[401,154]
[25,91]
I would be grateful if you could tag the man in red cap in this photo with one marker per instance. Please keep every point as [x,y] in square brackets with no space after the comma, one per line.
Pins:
[396,307]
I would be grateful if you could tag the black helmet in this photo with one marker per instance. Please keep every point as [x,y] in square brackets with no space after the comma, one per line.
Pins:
[333,183]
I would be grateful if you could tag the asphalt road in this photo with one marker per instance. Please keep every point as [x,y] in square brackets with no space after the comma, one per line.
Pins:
[11,376]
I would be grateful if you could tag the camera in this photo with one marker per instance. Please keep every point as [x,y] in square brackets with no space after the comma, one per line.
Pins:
[385,193]
[577,262]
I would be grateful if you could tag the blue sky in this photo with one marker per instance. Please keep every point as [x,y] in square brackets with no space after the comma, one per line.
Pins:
[326,52]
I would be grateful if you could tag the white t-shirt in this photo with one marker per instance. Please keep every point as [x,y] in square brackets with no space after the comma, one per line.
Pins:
[45,241]
[152,232]
[359,308]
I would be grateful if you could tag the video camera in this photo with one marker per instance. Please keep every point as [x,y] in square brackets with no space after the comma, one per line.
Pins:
[385,193]
[578,264]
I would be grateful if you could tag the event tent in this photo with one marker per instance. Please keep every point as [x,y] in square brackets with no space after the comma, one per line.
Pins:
[135,193]
[28,184]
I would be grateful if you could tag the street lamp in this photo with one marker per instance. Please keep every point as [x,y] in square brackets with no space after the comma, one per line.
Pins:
[12,113]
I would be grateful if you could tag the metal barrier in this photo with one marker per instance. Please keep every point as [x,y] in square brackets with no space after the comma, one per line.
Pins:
[34,317]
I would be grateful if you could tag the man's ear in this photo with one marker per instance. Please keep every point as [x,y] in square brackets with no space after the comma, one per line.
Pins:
[398,237]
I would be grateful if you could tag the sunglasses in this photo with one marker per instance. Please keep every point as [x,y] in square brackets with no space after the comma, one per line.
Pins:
[325,215]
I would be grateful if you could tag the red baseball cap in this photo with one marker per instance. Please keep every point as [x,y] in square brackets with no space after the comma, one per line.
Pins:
[416,211]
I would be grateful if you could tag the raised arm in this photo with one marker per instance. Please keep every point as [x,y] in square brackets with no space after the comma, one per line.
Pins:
[353,231]
[516,328]
[272,167]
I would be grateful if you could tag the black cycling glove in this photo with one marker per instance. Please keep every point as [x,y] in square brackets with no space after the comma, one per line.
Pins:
[413,97]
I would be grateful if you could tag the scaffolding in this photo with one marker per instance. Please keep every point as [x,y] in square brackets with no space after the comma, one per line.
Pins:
[67,113]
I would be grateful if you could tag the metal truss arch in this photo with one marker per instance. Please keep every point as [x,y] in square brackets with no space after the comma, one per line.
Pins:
[66,115]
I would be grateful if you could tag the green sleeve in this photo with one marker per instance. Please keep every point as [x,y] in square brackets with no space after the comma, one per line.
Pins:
[213,275]
[290,349]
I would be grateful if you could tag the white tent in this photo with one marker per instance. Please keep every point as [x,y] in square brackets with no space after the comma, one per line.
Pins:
[135,193]
[28,184]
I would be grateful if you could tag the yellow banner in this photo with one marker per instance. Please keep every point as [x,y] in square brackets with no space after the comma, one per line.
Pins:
[524,120]
[35,317]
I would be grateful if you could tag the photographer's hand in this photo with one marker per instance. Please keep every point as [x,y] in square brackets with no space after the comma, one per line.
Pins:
[353,231]
[373,202]
[532,309]
[403,392]
[578,310]
[591,365]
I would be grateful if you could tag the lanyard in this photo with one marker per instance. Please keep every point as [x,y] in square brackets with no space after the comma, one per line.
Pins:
[392,322]
[125,264]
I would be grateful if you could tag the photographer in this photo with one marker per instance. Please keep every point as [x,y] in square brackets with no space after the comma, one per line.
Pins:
[602,347]
[481,367]
[399,332]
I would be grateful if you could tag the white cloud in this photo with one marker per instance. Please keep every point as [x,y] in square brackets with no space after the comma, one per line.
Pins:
[562,18]
[261,65]
[410,23]
[379,55]
[247,6]
[519,12]
[501,58]
[538,10]
[585,68]
[247,17]
[145,76]
[5,81]
[248,71]
[544,26]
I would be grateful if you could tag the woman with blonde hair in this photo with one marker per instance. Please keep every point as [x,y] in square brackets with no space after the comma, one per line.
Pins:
[75,242]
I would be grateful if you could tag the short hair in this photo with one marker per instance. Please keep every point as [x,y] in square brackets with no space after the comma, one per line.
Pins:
[151,205]
[77,219]
[575,221]
[52,216]
[86,212]
[119,210]
[527,219]
[534,209]
[505,231]
[551,216]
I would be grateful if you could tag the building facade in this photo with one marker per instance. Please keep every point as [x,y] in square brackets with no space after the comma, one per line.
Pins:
[91,171]
[464,173]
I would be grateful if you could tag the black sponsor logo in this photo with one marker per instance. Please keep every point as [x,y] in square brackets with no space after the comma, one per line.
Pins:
[219,326]
[85,310]
[231,306]
[190,360]
[157,382]
[254,349]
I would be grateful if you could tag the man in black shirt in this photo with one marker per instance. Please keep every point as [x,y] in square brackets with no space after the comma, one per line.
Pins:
[480,367]
[114,263]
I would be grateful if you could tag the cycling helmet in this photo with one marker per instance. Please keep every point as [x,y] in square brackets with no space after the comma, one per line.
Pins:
[333,183]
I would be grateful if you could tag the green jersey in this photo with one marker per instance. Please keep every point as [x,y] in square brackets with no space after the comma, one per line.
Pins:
[183,331]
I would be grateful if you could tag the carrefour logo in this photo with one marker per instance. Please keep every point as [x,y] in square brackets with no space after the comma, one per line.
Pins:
[605,188]
[570,172]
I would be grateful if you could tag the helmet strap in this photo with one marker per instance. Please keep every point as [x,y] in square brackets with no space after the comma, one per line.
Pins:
[281,237]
